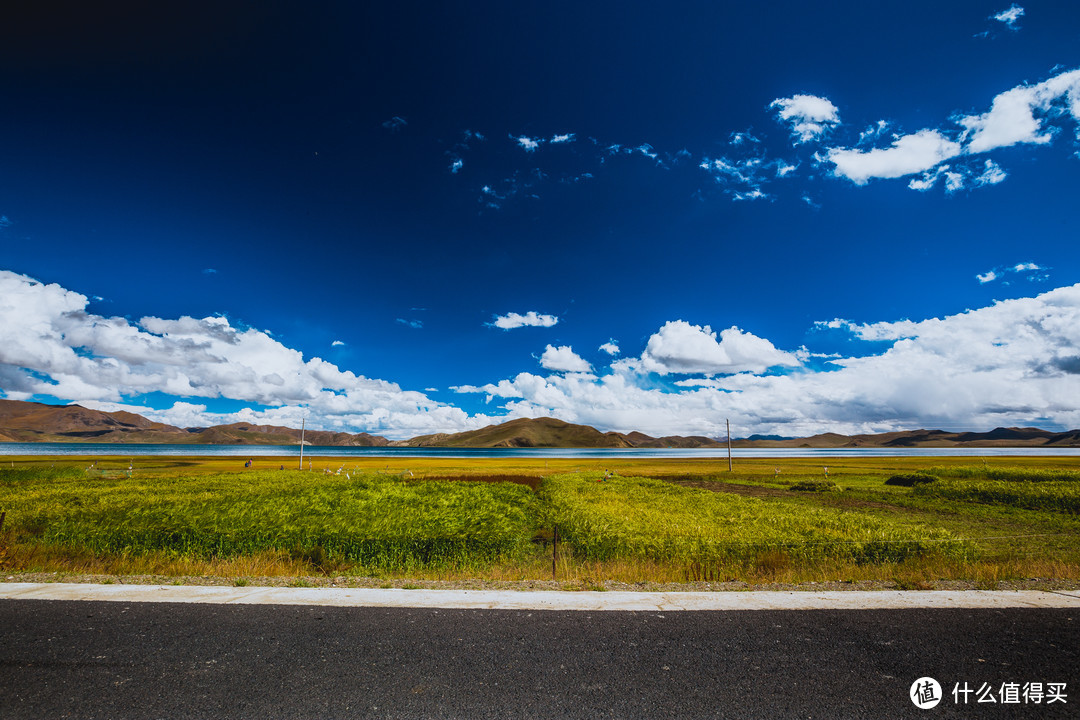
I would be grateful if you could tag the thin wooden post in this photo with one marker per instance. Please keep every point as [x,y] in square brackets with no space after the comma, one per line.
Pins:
[2,516]
[303,424]
[728,445]
[554,550]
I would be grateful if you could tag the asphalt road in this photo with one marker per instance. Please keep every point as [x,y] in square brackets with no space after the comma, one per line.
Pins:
[152,660]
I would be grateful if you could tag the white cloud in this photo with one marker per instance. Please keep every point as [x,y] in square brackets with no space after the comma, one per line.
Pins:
[908,155]
[502,389]
[563,359]
[738,138]
[527,143]
[337,343]
[647,150]
[51,345]
[529,319]
[1031,271]
[456,165]
[610,347]
[679,347]
[873,132]
[1009,16]
[958,178]
[744,177]
[992,174]
[954,179]
[564,138]
[809,116]
[783,169]
[1012,115]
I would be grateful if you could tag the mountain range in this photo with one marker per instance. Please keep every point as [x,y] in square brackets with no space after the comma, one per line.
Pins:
[37,422]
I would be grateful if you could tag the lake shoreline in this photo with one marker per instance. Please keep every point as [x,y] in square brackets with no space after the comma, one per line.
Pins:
[328,451]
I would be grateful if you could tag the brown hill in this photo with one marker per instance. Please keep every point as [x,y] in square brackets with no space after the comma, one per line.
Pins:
[248,434]
[524,433]
[998,437]
[37,422]
[549,433]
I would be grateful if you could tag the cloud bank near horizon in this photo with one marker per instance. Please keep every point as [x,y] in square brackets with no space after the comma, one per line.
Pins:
[1013,362]
[51,345]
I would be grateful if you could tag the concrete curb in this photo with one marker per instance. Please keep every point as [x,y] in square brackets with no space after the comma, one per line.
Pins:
[544,600]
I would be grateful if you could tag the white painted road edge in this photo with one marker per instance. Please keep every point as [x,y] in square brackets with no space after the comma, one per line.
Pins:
[545,600]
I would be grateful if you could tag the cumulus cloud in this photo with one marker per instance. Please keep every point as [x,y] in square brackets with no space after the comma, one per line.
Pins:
[529,319]
[456,165]
[564,138]
[395,123]
[51,345]
[679,347]
[809,116]
[337,343]
[907,155]
[1012,118]
[610,347]
[563,359]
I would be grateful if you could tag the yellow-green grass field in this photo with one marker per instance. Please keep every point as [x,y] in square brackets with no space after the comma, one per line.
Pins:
[625,520]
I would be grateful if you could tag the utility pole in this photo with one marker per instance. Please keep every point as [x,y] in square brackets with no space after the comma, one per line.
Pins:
[728,445]
[303,423]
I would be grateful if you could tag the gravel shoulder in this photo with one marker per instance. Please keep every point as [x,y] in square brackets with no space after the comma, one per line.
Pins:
[1043,584]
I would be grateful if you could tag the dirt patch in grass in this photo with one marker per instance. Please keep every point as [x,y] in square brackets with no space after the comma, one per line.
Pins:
[850,502]
[759,491]
[531,482]
[733,488]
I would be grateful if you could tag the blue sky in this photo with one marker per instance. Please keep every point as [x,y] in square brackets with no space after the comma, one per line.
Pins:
[413,219]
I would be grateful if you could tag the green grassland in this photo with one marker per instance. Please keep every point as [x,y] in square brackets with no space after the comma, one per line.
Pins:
[648,520]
